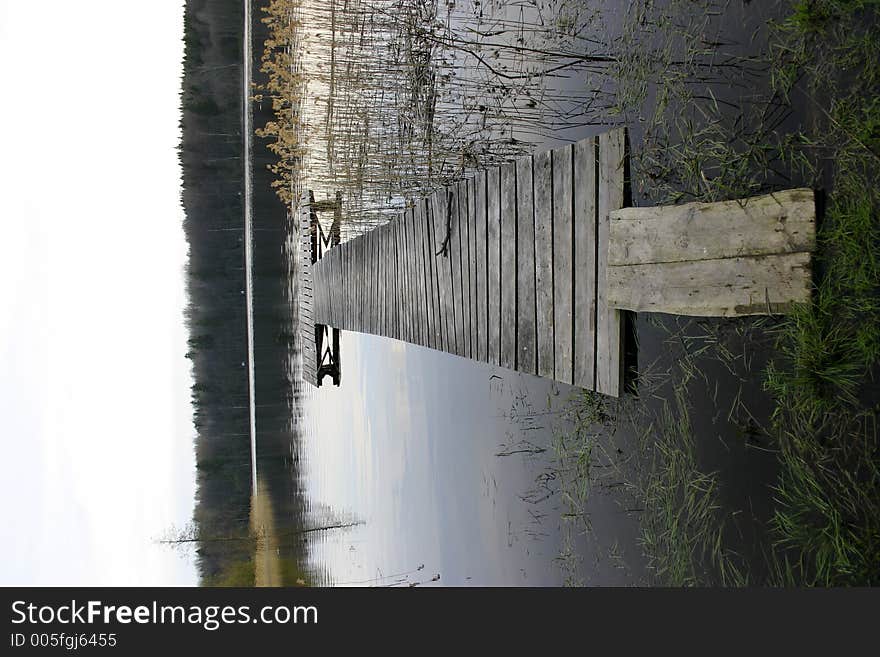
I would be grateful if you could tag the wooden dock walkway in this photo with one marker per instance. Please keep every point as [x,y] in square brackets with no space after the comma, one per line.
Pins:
[503,268]
[511,267]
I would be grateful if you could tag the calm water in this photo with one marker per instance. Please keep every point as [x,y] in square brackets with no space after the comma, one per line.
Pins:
[446,466]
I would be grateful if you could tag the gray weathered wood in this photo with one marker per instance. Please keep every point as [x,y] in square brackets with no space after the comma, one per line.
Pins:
[443,260]
[508,265]
[435,206]
[418,258]
[563,267]
[454,257]
[382,269]
[464,253]
[423,274]
[414,248]
[377,283]
[431,281]
[406,278]
[472,268]
[782,222]
[345,307]
[585,227]
[609,321]
[399,280]
[372,305]
[377,286]
[412,282]
[493,249]
[362,284]
[543,186]
[482,279]
[527,339]
[726,287]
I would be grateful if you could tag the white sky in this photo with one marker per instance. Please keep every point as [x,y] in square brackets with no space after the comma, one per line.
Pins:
[97,440]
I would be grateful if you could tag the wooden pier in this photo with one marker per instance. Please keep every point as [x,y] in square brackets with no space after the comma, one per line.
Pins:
[511,267]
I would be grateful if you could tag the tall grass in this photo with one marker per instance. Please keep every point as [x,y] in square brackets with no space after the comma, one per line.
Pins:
[400,97]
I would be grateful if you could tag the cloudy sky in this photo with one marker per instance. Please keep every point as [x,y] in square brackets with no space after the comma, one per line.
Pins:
[97,436]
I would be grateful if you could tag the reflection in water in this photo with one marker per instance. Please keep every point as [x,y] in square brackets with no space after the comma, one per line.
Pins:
[267,565]
[450,471]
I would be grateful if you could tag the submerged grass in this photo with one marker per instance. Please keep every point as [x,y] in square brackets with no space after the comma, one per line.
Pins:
[682,530]
[825,527]
[827,522]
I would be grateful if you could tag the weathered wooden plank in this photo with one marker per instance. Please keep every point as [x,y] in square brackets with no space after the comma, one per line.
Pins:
[725,287]
[411,242]
[472,267]
[508,265]
[362,269]
[391,261]
[454,249]
[389,276]
[464,252]
[316,299]
[406,253]
[334,291]
[436,341]
[543,187]
[782,222]
[609,320]
[482,279]
[397,326]
[363,306]
[328,291]
[438,204]
[527,338]
[362,285]
[433,298]
[401,278]
[436,274]
[374,280]
[353,283]
[412,306]
[369,244]
[357,315]
[350,288]
[346,289]
[323,286]
[377,284]
[380,278]
[405,306]
[443,243]
[412,250]
[335,264]
[563,264]
[388,261]
[411,281]
[424,321]
[376,267]
[493,259]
